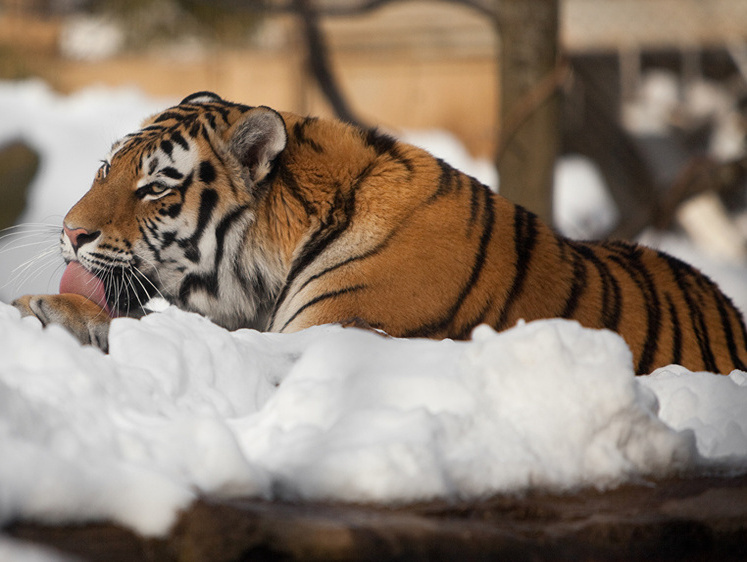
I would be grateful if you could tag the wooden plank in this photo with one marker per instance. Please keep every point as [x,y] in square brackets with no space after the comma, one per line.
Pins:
[675,519]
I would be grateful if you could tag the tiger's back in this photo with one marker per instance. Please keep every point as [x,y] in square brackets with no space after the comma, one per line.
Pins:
[451,255]
[255,218]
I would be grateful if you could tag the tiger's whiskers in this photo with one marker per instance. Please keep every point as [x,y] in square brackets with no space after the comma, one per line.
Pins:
[21,238]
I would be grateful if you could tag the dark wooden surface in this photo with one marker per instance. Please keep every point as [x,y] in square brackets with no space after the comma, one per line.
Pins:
[678,519]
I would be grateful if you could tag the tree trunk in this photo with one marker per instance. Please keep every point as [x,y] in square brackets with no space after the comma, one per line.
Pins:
[528,141]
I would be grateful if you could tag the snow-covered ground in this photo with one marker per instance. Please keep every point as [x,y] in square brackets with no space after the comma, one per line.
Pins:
[181,407]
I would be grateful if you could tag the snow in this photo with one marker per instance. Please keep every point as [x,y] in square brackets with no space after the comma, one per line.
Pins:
[582,207]
[714,408]
[446,146]
[19,551]
[181,407]
[90,38]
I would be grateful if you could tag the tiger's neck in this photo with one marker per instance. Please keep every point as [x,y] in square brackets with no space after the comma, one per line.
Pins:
[306,197]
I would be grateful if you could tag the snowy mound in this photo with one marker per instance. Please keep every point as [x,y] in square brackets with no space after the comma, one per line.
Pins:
[182,407]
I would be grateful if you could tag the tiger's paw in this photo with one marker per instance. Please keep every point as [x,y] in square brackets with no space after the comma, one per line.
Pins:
[82,317]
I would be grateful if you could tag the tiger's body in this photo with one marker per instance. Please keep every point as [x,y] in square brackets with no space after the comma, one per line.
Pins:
[270,220]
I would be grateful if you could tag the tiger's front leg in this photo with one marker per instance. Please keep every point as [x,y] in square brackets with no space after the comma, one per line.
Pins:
[82,317]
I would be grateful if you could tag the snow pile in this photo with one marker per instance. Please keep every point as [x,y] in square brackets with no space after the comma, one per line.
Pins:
[715,408]
[181,407]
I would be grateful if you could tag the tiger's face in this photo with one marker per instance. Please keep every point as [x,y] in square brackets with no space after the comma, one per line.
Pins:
[170,209]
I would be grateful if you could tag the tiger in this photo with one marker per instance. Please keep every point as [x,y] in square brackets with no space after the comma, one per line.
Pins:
[269,220]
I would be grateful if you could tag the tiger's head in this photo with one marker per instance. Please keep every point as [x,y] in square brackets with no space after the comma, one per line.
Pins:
[169,210]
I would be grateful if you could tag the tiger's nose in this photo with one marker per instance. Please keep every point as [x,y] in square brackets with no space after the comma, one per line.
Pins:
[80,236]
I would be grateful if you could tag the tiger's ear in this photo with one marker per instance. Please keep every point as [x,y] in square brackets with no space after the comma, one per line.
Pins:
[255,140]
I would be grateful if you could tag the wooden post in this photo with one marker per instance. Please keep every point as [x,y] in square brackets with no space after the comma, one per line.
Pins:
[528,141]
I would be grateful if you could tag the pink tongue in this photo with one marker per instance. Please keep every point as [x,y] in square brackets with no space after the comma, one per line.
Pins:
[77,279]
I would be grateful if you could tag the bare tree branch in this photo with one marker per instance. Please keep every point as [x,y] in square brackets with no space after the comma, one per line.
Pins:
[485,7]
[342,9]
[353,9]
[318,61]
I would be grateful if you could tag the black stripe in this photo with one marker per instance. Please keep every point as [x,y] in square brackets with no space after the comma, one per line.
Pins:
[629,258]
[147,239]
[179,139]
[224,109]
[578,286]
[167,239]
[205,134]
[151,223]
[676,332]
[221,230]
[477,267]
[207,172]
[185,185]
[682,274]
[222,162]
[330,230]
[446,180]
[723,305]
[299,131]
[289,179]
[380,142]
[474,200]
[367,254]
[171,172]
[611,292]
[166,115]
[525,239]
[195,281]
[383,144]
[320,298]
[167,148]
[478,319]
[171,211]
[146,133]
[208,202]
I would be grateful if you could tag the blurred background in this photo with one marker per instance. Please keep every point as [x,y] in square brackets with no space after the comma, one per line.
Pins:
[622,118]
